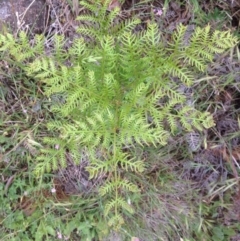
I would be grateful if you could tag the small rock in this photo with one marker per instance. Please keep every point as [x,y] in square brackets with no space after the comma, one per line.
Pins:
[22,15]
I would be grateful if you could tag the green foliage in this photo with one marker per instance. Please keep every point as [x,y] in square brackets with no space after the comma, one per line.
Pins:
[118,88]
[208,227]
[193,4]
[81,223]
[214,17]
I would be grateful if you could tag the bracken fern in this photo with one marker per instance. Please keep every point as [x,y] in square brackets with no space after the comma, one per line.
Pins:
[117,90]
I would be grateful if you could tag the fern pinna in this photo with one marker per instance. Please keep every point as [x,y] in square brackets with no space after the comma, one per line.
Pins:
[116,88]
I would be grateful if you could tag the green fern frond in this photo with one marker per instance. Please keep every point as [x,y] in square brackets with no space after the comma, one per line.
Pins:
[87,18]
[202,120]
[54,126]
[46,162]
[205,54]
[200,36]
[7,42]
[93,129]
[137,129]
[39,44]
[128,186]
[41,168]
[135,166]
[54,157]
[110,85]
[178,38]
[59,50]
[173,94]
[110,206]
[135,95]
[125,27]
[117,204]
[124,205]
[78,50]
[42,68]
[182,73]
[193,60]
[90,6]
[109,186]
[98,167]
[116,221]
[88,31]
[223,39]
[26,50]
[152,37]
[173,123]
[107,54]
[111,16]
[101,23]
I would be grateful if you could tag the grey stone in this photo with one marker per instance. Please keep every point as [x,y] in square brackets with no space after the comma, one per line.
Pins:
[28,15]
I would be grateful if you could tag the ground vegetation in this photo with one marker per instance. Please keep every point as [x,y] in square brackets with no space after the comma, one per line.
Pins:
[148,153]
